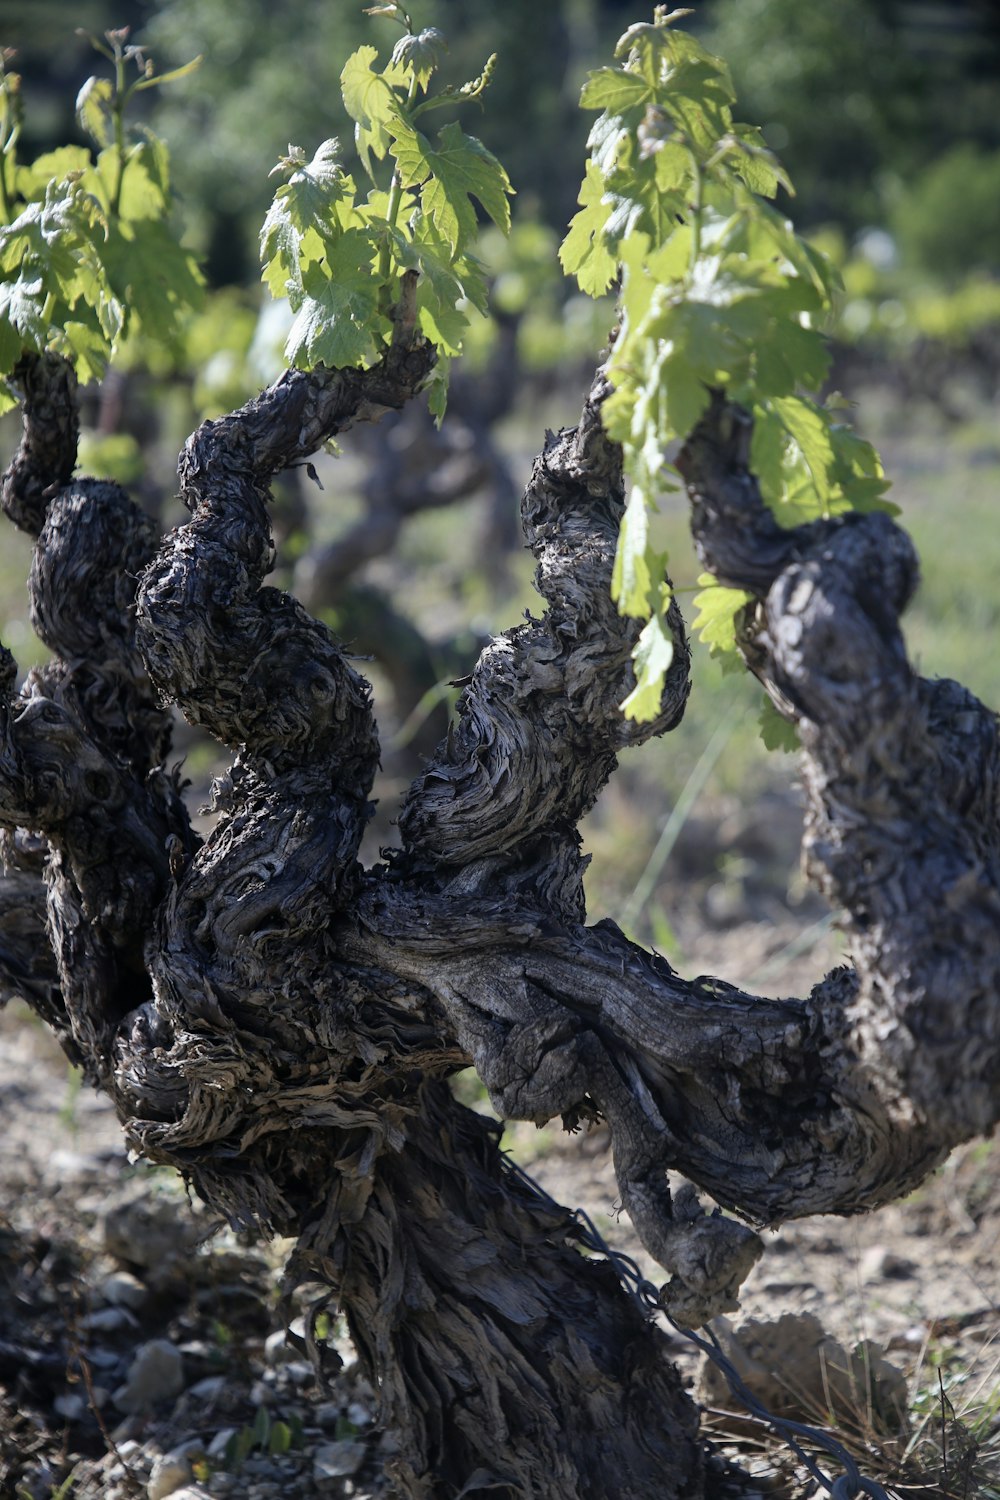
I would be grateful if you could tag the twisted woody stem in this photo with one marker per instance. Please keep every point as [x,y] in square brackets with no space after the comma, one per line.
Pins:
[278,1023]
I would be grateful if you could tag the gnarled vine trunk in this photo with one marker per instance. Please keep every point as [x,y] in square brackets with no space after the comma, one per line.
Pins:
[279,1023]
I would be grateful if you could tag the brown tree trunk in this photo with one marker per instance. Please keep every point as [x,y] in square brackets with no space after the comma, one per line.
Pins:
[279,1023]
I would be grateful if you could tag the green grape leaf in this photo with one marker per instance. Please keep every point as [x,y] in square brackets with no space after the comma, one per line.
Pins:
[615,90]
[440,291]
[810,426]
[717,608]
[143,195]
[760,168]
[583,253]
[338,323]
[420,54]
[859,471]
[87,347]
[22,306]
[632,575]
[673,168]
[697,93]
[93,110]
[777,732]
[687,394]
[371,103]
[315,194]
[314,205]
[654,651]
[52,166]
[152,276]
[788,356]
[437,388]
[454,173]
[768,446]
[11,349]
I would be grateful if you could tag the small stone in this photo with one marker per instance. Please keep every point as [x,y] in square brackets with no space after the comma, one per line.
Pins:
[879,1263]
[217,1447]
[70,1406]
[277,1349]
[337,1460]
[171,1472]
[155,1374]
[122,1289]
[126,1431]
[222,1483]
[261,1394]
[209,1389]
[109,1320]
[360,1415]
[103,1359]
[149,1231]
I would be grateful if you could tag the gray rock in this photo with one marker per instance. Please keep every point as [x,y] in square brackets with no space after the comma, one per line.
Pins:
[103,1359]
[122,1289]
[209,1389]
[155,1374]
[70,1406]
[881,1263]
[149,1231]
[109,1320]
[277,1349]
[337,1460]
[170,1473]
[217,1447]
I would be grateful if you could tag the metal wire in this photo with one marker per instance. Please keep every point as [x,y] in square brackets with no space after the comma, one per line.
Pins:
[647,1297]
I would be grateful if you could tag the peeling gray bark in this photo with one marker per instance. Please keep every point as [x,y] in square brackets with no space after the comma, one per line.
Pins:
[279,1023]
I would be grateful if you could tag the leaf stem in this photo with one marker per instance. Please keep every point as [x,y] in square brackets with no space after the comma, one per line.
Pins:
[698,180]
[5,205]
[392,208]
[120,101]
[9,134]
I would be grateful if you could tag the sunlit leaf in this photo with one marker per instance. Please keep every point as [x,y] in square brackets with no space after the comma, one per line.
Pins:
[651,660]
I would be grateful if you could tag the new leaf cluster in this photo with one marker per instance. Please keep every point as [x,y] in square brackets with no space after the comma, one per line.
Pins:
[88,256]
[717,292]
[340,259]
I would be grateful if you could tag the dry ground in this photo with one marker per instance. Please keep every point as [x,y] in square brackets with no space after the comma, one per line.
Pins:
[920,1278]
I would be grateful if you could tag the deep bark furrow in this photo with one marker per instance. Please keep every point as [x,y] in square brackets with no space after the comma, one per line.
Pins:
[46,457]
[84,739]
[539,724]
[901,777]
[468,1294]
[749,1106]
[279,1024]
[246,662]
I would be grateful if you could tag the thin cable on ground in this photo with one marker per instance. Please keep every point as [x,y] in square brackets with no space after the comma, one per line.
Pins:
[850,1484]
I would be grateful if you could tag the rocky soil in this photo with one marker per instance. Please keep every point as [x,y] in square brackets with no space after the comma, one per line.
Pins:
[143,1351]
